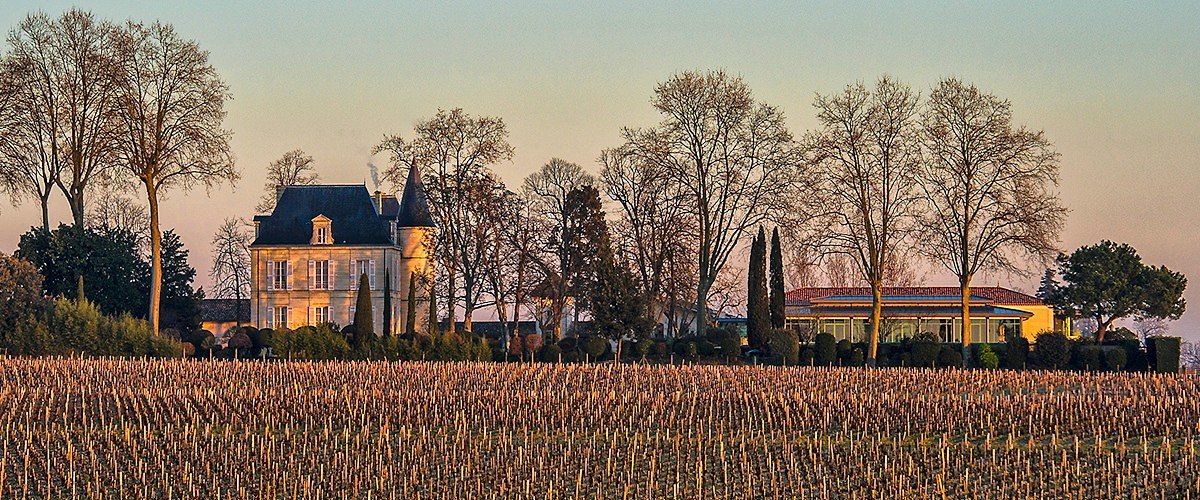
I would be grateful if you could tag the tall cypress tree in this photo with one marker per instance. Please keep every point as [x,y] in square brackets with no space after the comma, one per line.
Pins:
[364,315]
[410,313]
[387,303]
[433,321]
[758,308]
[777,293]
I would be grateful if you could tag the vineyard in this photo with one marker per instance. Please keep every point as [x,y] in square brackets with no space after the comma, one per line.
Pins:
[220,429]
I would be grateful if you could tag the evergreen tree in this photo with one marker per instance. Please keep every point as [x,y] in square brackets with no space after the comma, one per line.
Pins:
[387,303]
[758,305]
[777,293]
[364,324]
[433,321]
[410,312]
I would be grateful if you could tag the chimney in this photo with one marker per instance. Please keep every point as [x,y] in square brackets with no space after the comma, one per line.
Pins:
[279,192]
[378,202]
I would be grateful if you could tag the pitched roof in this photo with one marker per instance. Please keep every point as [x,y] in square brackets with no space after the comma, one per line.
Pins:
[225,310]
[414,204]
[996,294]
[349,207]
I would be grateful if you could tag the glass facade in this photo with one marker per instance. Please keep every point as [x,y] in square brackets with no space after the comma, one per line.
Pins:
[949,330]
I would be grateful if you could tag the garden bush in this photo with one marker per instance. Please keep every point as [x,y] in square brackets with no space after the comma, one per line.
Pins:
[1115,359]
[987,357]
[806,357]
[1016,352]
[1090,357]
[924,349]
[950,356]
[826,350]
[1052,350]
[1163,353]
[857,357]
[784,345]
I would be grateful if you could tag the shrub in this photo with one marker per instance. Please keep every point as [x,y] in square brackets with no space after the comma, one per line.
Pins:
[857,357]
[1089,357]
[950,356]
[594,346]
[785,345]
[308,342]
[1017,352]
[924,349]
[706,347]
[987,357]
[728,341]
[1114,359]
[826,350]
[806,357]
[240,340]
[843,351]
[661,348]
[552,353]
[1052,350]
[1163,353]
[641,348]
[690,349]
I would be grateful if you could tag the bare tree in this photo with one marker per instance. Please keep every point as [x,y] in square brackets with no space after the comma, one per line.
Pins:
[295,168]
[653,224]
[455,151]
[1190,355]
[989,188]
[230,271]
[866,157]
[30,159]
[171,105]
[839,271]
[1150,326]
[68,99]
[119,211]
[547,191]
[733,158]
[521,240]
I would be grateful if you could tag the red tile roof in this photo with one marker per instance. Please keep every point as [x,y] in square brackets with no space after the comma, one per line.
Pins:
[998,295]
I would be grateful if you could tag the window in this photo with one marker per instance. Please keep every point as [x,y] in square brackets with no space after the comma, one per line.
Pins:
[359,268]
[321,234]
[278,318]
[321,315]
[278,272]
[318,275]
[839,328]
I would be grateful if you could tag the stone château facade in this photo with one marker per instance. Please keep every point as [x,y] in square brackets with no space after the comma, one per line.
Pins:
[308,255]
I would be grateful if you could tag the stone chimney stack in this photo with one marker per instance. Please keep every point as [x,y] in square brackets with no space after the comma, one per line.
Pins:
[378,199]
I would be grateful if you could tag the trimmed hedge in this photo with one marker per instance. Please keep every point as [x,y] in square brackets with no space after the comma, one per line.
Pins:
[1163,353]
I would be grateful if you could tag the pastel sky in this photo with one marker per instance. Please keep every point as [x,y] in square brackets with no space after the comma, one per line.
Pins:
[1114,85]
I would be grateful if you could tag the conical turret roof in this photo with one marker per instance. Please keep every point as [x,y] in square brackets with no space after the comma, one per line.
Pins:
[414,204]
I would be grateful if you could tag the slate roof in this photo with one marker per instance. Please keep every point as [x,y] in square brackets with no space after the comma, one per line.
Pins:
[496,329]
[225,310]
[349,207]
[414,204]
[996,294]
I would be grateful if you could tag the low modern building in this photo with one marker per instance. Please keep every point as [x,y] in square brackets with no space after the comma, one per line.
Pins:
[309,254]
[221,316]
[845,312]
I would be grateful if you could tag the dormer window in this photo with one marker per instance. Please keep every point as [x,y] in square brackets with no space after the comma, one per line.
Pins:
[322,234]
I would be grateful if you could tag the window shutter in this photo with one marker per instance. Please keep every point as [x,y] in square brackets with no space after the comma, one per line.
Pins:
[312,266]
[270,275]
[287,273]
[353,276]
[371,273]
[271,318]
[287,317]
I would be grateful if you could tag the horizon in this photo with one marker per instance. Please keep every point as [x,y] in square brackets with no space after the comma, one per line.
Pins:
[1111,85]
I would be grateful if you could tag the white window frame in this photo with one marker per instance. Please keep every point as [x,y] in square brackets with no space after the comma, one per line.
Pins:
[321,315]
[318,275]
[279,314]
[277,280]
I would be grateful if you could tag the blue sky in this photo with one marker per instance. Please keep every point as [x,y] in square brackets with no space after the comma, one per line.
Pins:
[1114,85]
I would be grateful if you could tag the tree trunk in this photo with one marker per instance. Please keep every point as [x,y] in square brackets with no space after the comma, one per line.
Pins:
[155,256]
[701,309]
[451,327]
[75,200]
[876,318]
[1101,329]
[965,286]
[46,212]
